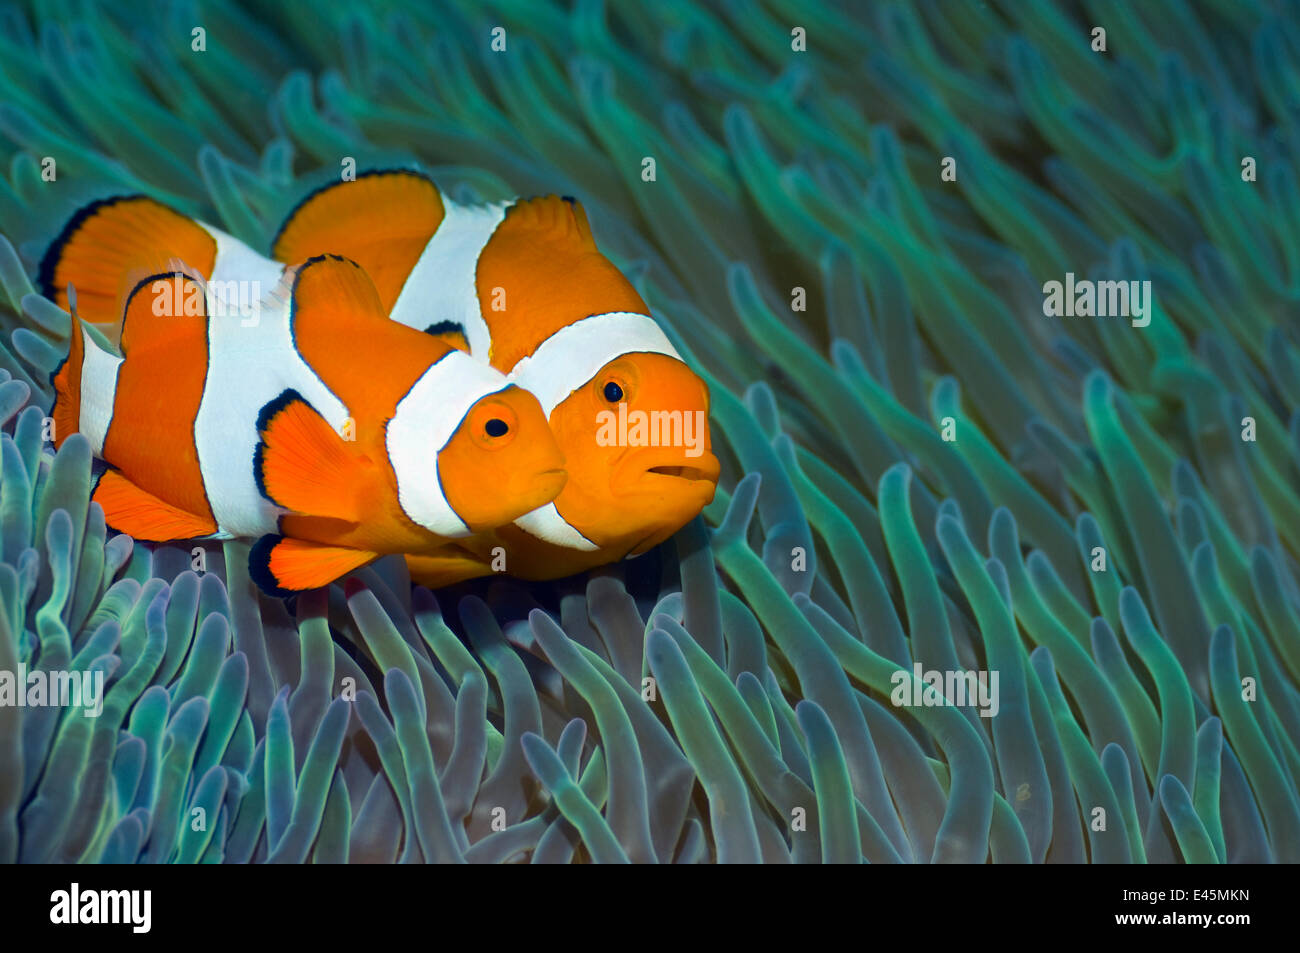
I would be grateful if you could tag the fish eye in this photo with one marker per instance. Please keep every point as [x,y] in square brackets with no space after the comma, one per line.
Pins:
[613,393]
[494,424]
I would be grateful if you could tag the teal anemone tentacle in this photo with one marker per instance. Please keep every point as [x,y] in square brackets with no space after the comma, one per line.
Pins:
[849,220]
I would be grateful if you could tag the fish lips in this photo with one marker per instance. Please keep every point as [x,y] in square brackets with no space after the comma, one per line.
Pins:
[657,470]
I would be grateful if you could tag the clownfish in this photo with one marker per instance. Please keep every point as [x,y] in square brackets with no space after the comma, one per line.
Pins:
[308,421]
[522,287]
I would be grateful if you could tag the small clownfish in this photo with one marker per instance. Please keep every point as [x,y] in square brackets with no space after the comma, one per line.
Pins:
[523,288]
[322,429]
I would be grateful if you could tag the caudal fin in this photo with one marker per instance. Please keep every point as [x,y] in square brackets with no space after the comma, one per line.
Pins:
[107,245]
[66,379]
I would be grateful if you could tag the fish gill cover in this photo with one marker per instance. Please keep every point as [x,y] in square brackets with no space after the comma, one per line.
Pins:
[998,308]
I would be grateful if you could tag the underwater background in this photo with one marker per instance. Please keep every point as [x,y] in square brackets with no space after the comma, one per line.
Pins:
[852,214]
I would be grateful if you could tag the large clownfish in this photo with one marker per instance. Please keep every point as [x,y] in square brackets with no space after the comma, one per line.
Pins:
[307,420]
[523,288]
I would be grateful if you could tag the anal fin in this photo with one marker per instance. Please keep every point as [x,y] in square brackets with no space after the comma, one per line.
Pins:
[446,567]
[282,566]
[141,515]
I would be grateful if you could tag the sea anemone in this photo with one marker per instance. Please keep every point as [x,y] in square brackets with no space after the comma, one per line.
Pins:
[845,221]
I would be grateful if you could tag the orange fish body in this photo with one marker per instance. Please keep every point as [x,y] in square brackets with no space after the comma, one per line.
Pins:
[523,288]
[308,421]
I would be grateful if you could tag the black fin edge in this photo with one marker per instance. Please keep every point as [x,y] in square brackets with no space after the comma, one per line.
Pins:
[443,327]
[264,417]
[259,567]
[50,260]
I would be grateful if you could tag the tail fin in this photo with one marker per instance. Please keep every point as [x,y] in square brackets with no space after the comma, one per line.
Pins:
[108,244]
[66,379]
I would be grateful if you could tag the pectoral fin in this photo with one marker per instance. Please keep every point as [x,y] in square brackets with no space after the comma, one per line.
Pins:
[282,567]
[303,465]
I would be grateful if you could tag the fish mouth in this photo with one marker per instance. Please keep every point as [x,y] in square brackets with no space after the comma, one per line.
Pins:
[646,544]
[556,478]
[659,467]
[542,488]
[679,472]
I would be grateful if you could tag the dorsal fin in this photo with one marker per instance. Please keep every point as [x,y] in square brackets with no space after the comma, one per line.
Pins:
[165,309]
[110,241]
[382,220]
[341,330]
[561,218]
[340,288]
[543,262]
